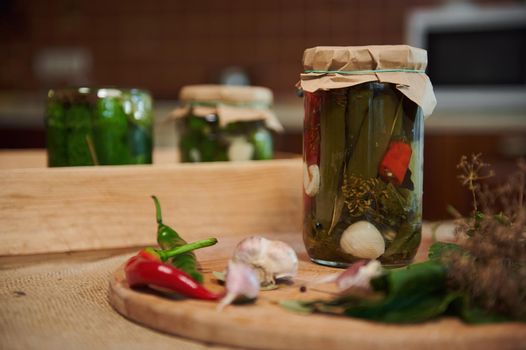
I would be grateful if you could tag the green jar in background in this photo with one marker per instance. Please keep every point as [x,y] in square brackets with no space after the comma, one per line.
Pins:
[225,123]
[99,126]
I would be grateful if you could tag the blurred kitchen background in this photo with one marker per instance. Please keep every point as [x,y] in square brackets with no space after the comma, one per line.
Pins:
[477,54]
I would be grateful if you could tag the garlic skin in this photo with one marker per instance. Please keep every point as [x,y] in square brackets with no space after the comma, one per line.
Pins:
[240,149]
[358,276]
[362,240]
[240,281]
[356,279]
[311,179]
[272,259]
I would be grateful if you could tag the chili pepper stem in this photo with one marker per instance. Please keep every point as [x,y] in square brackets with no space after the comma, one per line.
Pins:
[158,213]
[170,253]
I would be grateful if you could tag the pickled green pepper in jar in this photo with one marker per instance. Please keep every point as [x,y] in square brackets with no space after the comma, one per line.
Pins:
[363,152]
[98,126]
[225,123]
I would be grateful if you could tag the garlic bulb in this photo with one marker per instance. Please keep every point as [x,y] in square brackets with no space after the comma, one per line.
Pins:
[311,179]
[240,281]
[362,240]
[272,259]
[240,149]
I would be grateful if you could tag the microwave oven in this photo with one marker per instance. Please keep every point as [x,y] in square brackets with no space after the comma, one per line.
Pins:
[476,55]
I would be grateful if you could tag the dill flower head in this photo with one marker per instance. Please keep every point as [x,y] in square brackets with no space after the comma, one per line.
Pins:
[491,268]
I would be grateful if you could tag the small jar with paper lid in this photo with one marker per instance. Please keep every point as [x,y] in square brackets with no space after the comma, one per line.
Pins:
[363,152]
[225,123]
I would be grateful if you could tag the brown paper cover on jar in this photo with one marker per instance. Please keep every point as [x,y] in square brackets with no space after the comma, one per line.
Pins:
[229,103]
[333,67]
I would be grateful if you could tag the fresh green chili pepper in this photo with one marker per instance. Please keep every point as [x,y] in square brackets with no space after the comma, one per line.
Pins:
[168,238]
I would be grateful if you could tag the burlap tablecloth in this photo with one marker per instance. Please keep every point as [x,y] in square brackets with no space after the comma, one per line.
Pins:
[64,305]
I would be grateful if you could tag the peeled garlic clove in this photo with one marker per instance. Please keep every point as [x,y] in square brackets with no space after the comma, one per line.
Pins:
[274,259]
[362,240]
[240,149]
[311,179]
[240,281]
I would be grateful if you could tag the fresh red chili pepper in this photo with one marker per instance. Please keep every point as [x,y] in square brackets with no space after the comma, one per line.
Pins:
[395,162]
[144,254]
[141,271]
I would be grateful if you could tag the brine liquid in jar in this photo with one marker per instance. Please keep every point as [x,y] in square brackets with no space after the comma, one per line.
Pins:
[363,158]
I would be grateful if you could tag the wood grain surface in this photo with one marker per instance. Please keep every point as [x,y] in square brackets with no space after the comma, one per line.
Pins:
[55,210]
[265,325]
[37,158]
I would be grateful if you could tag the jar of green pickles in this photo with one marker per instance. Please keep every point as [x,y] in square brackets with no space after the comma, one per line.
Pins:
[363,152]
[225,123]
[98,126]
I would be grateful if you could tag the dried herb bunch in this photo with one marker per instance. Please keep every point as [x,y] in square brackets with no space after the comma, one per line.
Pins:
[491,266]
[361,194]
[375,200]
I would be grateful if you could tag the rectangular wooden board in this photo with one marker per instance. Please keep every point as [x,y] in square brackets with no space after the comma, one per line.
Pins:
[53,210]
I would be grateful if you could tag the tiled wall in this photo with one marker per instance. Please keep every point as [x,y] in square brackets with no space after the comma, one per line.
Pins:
[163,45]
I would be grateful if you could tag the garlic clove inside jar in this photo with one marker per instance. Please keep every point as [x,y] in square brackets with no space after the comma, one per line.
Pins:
[311,179]
[362,240]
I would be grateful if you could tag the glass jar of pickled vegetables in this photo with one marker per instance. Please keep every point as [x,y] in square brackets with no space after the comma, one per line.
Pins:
[225,123]
[363,152]
[98,126]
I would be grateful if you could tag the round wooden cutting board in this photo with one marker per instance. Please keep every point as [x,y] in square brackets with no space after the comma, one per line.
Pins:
[265,325]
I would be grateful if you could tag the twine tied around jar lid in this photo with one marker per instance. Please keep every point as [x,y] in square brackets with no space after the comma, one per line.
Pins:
[334,67]
[229,103]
